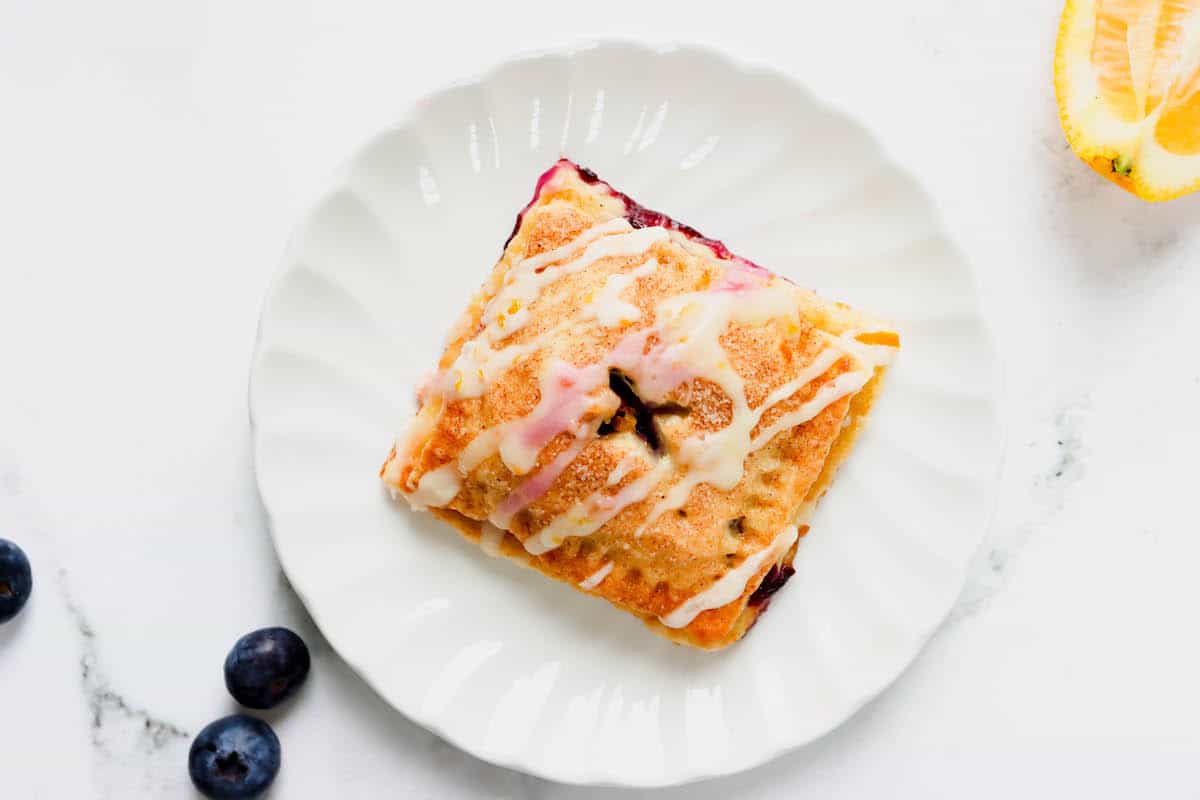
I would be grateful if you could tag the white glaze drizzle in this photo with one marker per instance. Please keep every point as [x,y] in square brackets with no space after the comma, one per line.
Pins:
[827,395]
[526,282]
[485,444]
[732,584]
[559,407]
[479,363]
[691,335]
[566,396]
[608,308]
[436,487]
[623,468]
[537,484]
[590,514]
[589,235]
[414,435]
[718,458]
[567,393]
[875,355]
[593,580]
[490,538]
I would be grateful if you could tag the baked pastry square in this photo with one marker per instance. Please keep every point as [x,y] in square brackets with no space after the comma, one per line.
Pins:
[628,407]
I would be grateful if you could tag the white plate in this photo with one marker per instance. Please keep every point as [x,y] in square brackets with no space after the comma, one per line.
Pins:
[504,663]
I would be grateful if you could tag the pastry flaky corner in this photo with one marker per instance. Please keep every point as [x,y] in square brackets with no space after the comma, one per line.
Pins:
[628,407]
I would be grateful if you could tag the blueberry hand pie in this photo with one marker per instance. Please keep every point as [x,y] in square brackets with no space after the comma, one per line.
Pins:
[628,407]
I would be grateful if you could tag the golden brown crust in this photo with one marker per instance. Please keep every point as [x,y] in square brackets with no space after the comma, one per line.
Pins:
[657,563]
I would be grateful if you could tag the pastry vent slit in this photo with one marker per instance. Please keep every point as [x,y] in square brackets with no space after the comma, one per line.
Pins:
[635,415]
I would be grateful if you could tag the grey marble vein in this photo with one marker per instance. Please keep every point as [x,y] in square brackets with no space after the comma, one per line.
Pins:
[1067,467]
[1056,462]
[106,705]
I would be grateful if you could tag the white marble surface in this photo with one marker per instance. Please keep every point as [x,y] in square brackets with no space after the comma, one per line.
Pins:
[153,157]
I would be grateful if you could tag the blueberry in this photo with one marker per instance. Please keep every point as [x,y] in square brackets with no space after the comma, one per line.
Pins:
[234,757]
[16,580]
[266,667]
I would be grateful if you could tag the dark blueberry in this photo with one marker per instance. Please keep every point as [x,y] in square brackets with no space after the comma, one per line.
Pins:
[16,580]
[266,667]
[234,757]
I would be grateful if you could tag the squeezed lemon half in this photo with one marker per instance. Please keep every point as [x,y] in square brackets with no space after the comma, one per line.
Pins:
[1127,76]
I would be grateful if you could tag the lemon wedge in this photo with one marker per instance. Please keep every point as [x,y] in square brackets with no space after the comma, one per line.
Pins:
[1127,76]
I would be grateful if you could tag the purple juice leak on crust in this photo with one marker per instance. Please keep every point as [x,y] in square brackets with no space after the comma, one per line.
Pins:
[641,217]
[585,174]
[638,215]
[771,584]
[542,180]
